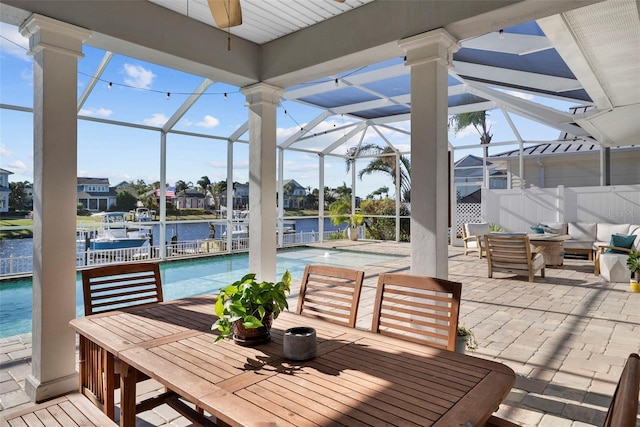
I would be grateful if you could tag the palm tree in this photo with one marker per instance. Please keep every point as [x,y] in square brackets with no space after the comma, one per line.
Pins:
[181,185]
[386,163]
[205,184]
[477,119]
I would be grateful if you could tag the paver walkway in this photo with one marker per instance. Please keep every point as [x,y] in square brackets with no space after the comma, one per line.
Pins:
[566,336]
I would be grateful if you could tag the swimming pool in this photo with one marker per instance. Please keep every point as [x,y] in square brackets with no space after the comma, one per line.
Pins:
[185,278]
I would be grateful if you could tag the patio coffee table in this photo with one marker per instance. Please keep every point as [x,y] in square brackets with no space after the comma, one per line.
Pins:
[552,247]
[357,377]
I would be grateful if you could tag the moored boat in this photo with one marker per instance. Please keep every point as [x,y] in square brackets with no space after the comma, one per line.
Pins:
[115,232]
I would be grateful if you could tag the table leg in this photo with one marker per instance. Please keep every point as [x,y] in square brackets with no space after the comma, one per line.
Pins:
[127,396]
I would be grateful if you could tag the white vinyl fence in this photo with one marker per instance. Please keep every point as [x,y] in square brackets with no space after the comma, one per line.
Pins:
[517,210]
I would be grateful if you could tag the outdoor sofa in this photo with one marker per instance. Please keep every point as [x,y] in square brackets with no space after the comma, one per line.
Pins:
[587,237]
[608,245]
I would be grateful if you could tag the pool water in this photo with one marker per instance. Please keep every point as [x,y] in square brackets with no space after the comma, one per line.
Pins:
[185,278]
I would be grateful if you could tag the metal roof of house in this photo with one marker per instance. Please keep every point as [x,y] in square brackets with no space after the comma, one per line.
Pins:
[556,149]
[93,181]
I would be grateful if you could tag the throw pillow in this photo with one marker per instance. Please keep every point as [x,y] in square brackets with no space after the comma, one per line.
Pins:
[537,230]
[620,241]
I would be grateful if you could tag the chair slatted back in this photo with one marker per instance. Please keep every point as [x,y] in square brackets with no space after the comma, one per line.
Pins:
[330,293]
[513,254]
[623,410]
[416,308]
[508,252]
[111,287]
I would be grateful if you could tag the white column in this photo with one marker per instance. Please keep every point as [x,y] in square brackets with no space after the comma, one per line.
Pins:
[321,197]
[281,197]
[429,56]
[262,100]
[56,47]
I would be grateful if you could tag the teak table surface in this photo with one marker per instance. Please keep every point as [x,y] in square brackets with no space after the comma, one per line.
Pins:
[358,378]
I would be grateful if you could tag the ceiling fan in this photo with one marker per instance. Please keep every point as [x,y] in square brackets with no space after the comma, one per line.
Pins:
[227,13]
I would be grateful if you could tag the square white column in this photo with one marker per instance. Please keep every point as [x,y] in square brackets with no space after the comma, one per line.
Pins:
[56,47]
[263,101]
[429,56]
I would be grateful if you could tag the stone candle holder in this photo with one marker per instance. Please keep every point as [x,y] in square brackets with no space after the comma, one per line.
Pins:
[300,343]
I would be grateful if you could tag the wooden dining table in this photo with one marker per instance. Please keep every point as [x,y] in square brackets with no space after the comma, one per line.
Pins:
[358,378]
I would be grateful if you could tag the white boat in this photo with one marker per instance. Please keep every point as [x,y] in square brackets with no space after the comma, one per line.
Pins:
[240,230]
[142,214]
[114,232]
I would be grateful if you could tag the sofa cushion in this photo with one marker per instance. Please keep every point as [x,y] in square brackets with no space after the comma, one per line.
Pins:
[584,231]
[620,241]
[605,231]
[554,227]
[477,229]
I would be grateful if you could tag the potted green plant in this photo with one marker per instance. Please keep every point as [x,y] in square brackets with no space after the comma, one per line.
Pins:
[340,212]
[465,340]
[633,263]
[247,307]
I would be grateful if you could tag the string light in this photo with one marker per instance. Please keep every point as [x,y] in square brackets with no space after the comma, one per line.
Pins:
[110,85]
[168,95]
[501,36]
[337,83]
[225,95]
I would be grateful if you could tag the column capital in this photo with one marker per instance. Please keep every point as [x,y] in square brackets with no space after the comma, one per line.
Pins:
[47,33]
[262,93]
[437,45]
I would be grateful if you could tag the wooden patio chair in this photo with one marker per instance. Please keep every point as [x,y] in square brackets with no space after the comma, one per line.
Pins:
[513,254]
[330,293]
[104,289]
[473,237]
[623,410]
[420,309]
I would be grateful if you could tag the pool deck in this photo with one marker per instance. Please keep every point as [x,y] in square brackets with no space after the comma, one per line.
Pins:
[566,336]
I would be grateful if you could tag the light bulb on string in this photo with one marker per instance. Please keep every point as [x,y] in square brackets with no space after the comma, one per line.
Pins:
[225,95]
[501,34]
[337,83]
[110,85]
[168,95]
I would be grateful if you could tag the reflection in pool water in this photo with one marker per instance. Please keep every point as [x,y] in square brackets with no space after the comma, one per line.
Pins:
[185,278]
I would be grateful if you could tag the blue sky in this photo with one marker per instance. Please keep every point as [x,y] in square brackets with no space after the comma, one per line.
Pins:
[138,94]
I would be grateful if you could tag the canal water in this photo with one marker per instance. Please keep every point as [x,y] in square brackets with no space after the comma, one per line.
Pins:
[184,232]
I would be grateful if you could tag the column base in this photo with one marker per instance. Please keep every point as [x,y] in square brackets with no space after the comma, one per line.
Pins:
[38,391]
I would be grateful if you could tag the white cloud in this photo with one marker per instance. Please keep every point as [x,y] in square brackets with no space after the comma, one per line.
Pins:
[4,151]
[101,112]
[13,44]
[18,167]
[158,119]
[208,122]
[138,76]
[217,164]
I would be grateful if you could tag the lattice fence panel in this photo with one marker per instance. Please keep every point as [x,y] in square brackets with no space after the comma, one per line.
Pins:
[467,212]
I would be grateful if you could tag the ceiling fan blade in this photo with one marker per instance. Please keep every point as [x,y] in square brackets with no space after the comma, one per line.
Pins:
[226,13]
